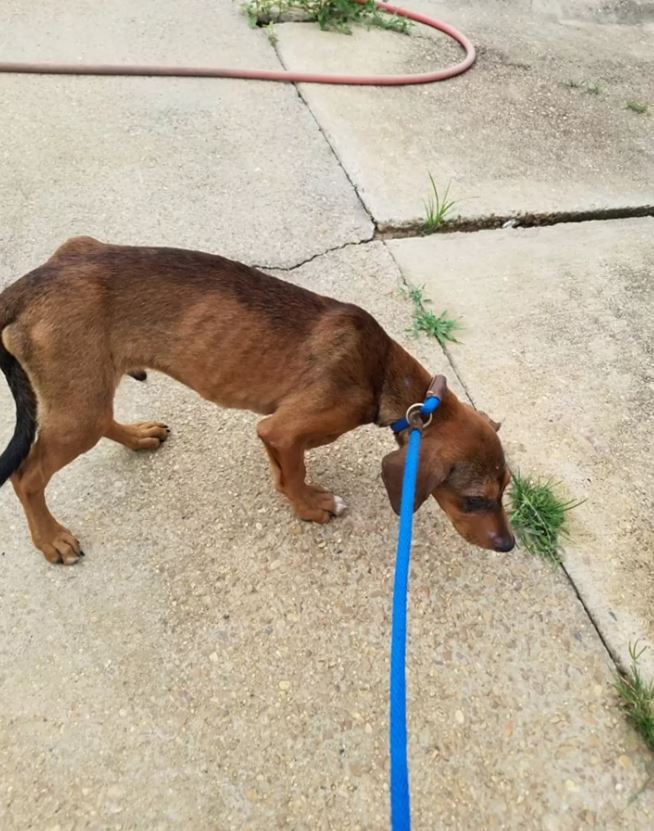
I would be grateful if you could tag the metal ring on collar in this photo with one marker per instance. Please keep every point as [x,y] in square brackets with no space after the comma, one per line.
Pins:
[413,416]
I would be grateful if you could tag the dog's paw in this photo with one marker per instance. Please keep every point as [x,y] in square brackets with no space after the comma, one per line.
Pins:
[319,505]
[149,435]
[62,547]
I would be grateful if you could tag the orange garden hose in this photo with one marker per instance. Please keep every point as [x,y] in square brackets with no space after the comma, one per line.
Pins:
[270,75]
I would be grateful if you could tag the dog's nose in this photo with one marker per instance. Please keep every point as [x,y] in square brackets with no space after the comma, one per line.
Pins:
[503,542]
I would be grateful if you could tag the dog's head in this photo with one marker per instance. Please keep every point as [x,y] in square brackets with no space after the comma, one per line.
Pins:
[462,466]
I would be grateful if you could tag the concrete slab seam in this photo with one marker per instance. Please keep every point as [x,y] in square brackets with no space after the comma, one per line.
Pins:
[450,359]
[328,142]
[491,223]
[494,222]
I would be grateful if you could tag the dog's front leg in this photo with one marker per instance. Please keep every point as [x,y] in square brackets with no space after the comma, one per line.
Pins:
[285,447]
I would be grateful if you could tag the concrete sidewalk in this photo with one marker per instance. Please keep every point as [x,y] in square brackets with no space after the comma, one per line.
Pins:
[512,137]
[146,160]
[576,395]
[214,663]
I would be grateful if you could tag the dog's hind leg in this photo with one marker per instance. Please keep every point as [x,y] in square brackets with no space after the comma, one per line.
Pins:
[73,413]
[148,435]
[62,438]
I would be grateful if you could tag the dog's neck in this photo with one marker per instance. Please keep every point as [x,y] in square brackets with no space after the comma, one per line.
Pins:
[405,383]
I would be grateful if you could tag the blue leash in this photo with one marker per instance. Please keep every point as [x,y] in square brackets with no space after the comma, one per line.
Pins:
[400,799]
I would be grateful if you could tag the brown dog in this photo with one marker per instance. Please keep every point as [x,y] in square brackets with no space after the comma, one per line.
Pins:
[313,366]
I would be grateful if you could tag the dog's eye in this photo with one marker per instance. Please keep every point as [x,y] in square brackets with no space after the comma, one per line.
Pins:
[476,503]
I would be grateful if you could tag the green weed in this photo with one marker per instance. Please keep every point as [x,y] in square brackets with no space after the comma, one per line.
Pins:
[637,696]
[271,33]
[538,517]
[336,15]
[441,327]
[637,106]
[589,87]
[592,88]
[437,208]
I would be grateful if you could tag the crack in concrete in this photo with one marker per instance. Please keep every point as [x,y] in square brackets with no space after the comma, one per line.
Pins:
[615,660]
[516,222]
[316,256]
[327,141]
[533,219]
[445,350]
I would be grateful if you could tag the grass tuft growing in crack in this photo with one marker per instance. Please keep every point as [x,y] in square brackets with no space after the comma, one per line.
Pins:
[538,516]
[637,696]
[271,33]
[593,88]
[438,207]
[639,107]
[441,327]
[334,15]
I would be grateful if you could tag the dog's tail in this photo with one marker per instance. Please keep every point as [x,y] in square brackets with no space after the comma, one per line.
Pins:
[25,431]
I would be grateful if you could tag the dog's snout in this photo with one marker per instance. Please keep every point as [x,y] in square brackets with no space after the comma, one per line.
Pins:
[503,542]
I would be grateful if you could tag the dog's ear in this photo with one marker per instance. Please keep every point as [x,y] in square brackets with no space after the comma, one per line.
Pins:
[431,473]
[494,424]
